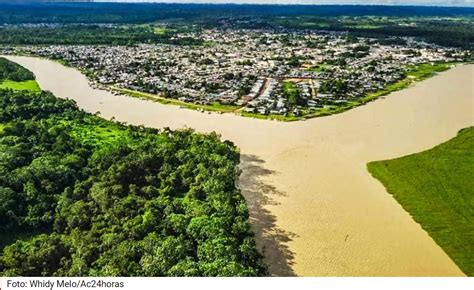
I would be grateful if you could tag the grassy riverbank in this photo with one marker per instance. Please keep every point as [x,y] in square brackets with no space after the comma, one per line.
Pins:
[415,74]
[214,107]
[436,188]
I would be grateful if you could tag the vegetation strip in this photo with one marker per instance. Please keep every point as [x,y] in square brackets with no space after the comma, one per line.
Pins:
[415,74]
[15,77]
[215,107]
[436,188]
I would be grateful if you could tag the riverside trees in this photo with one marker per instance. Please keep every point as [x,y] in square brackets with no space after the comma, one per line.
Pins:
[14,72]
[81,196]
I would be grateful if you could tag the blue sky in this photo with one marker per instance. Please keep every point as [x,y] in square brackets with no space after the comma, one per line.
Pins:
[468,3]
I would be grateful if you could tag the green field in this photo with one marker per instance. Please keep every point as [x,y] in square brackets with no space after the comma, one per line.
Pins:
[91,132]
[284,118]
[437,188]
[29,85]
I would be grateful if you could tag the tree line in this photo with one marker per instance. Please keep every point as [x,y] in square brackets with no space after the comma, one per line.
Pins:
[14,72]
[81,196]
[88,35]
[454,33]
[151,12]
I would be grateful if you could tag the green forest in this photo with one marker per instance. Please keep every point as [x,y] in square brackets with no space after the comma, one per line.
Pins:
[128,24]
[82,196]
[90,35]
[454,32]
[14,72]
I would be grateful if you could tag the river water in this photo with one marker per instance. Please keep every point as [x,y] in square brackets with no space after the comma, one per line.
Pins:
[314,207]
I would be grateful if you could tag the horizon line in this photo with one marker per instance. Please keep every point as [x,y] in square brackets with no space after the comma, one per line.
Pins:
[250,3]
[298,3]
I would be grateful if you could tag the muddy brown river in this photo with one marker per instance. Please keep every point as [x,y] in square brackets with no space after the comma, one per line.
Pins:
[314,207]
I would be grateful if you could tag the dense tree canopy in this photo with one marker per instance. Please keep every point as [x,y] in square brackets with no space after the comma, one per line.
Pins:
[152,12]
[81,196]
[89,34]
[447,26]
[14,72]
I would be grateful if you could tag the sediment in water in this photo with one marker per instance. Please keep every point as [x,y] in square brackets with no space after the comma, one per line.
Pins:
[315,208]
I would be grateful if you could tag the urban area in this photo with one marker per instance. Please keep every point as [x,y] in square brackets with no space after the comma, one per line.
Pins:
[265,72]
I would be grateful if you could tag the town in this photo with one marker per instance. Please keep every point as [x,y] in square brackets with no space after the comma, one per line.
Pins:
[265,72]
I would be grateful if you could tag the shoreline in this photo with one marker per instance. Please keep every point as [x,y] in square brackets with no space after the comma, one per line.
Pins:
[320,112]
[218,108]
[313,205]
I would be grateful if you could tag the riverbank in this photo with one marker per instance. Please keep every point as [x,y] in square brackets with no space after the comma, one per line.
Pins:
[435,187]
[314,207]
[15,77]
[215,107]
[415,74]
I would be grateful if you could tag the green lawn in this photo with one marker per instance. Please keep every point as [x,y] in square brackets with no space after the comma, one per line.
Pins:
[30,85]
[437,188]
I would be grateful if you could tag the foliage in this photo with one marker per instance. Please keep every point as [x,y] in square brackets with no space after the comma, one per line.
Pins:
[456,31]
[435,187]
[205,13]
[89,34]
[213,107]
[293,61]
[104,199]
[426,70]
[449,26]
[13,72]
[30,85]
[335,86]
[292,93]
